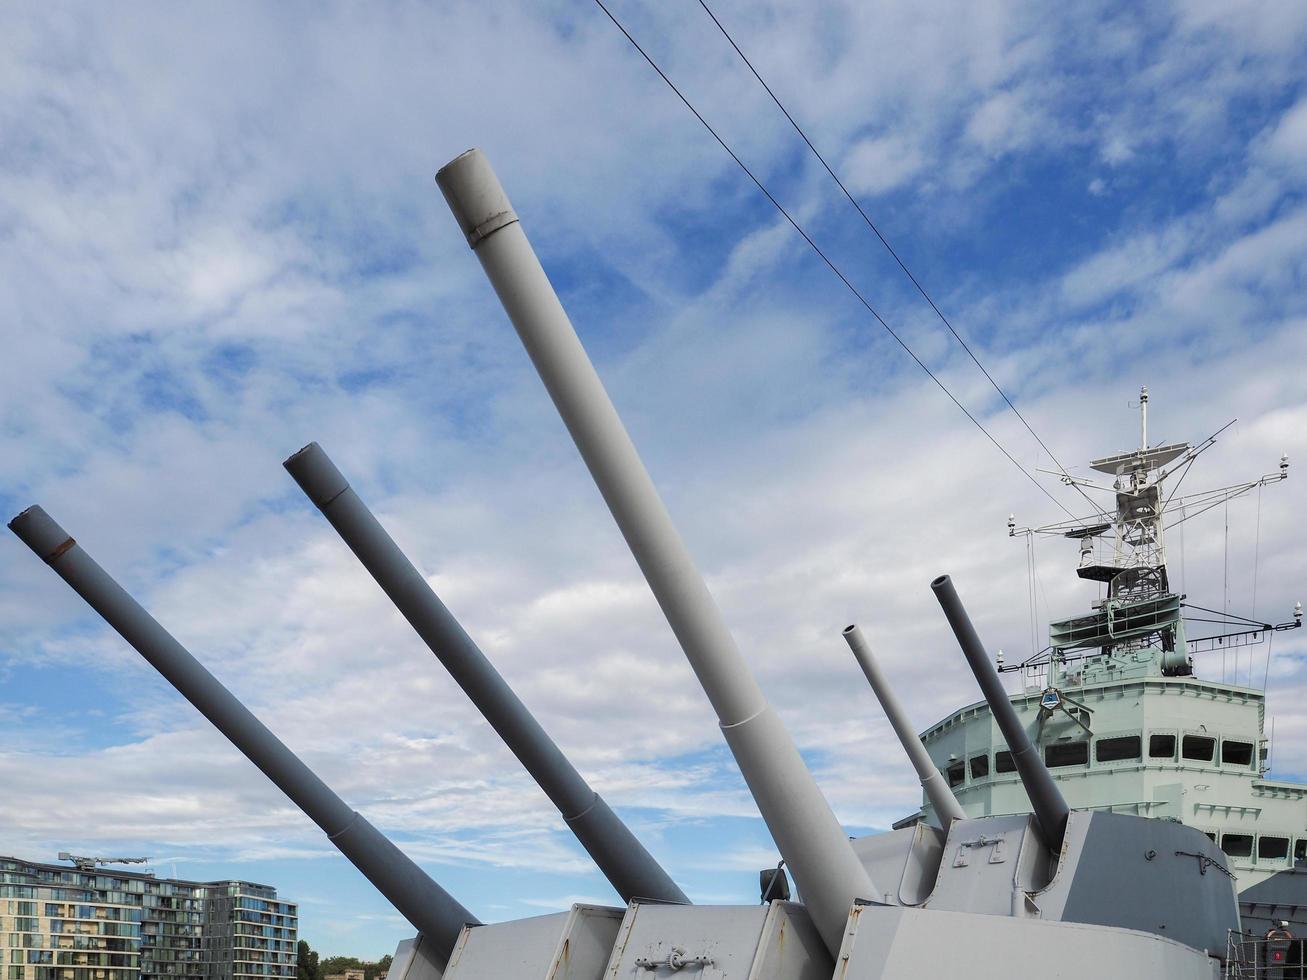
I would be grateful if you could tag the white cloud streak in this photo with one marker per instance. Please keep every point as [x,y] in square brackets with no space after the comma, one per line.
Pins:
[220,239]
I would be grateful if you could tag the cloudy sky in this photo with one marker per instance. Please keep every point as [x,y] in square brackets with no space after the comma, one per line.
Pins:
[220,239]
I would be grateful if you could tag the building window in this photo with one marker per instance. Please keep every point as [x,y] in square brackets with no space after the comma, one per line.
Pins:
[979,766]
[956,773]
[1161,746]
[1272,848]
[1066,754]
[1118,749]
[1237,845]
[1003,761]
[1236,753]
[1198,748]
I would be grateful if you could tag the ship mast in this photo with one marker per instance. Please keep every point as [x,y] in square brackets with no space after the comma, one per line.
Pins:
[1140,619]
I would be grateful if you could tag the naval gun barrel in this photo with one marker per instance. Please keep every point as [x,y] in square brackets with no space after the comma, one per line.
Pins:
[810,839]
[937,790]
[436,914]
[630,868]
[1046,799]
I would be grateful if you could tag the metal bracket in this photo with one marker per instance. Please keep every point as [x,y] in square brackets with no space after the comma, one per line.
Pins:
[997,856]
[1205,862]
[675,960]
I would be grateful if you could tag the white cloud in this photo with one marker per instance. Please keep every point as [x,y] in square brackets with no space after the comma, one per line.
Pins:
[1288,143]
[220,240]
[883,163]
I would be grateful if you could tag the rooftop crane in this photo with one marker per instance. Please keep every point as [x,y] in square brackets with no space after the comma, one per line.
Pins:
[89,863]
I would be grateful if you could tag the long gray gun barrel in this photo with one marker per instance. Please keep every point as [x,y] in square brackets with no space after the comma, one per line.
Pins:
[801,822]
[1050,808]
[937,790]
[628,866]
[431,910]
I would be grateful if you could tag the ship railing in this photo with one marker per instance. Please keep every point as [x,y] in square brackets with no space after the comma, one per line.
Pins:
[1263,958]
[1034,677]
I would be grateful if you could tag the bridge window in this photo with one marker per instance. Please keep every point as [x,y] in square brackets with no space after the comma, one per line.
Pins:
[1299,853]
[1161,746]
[1066,754]
[1272,848]
[956,773]
[1236,753]
[1198,748]
[1117,749]
[979,766]
[1003,761]
[1237,845]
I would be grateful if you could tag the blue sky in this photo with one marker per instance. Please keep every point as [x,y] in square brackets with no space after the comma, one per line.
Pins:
[220,239]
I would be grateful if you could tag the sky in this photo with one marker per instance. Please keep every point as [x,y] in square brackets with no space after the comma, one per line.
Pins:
[220,240]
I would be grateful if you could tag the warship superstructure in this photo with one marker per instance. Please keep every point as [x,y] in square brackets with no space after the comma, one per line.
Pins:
[1121,718]
[1048,888]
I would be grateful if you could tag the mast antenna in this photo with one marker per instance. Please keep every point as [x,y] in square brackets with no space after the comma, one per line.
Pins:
[1143,418]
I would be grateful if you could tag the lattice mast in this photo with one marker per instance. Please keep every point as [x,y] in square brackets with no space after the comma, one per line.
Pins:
[1140,610]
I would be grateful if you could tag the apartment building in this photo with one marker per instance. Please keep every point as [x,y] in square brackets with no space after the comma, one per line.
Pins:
[62,923]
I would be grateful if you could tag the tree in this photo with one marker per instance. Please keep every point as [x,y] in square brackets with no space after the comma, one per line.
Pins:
[306,962]
[382,967]
[339,964]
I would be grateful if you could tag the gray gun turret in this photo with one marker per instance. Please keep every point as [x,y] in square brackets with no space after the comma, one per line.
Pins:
[1046,799]
[937,790]
[825,868]
[436,914]
[624,861]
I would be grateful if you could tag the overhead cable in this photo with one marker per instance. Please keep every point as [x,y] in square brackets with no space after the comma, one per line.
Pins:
[829,263]
[890,248]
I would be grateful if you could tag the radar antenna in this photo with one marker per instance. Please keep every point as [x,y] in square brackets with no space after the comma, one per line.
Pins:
[1126,552]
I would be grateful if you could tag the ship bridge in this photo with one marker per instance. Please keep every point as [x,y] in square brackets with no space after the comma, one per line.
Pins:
[1113,703]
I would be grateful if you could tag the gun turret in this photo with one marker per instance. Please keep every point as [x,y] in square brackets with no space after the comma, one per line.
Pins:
[436,914]
[631,869]
[1046,799]
[937,791]
[825,868]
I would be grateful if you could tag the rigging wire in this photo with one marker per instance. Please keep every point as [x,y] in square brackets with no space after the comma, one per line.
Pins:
[892,251]
[1030,586]
[1257,548]
[829,263]
[1182,549]
[1226,601]
[1226,616]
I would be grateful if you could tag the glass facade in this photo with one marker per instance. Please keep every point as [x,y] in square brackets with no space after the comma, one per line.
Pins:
[61,923]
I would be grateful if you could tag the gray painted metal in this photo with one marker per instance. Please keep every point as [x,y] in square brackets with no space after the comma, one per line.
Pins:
[1145,874]
[1045,798]
[630,868]
[412,961]
[809,837]
[1113,870]
[431,910]
[790,947]
[904,944]
[990,865]
[907,858]
[572,945]
[932,781]
[777,941]
[1281,897]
